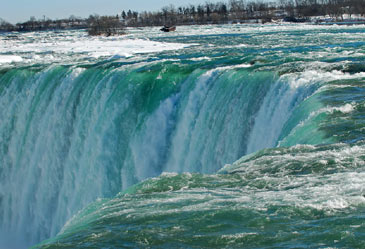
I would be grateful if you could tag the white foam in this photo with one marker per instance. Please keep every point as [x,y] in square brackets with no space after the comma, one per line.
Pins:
[318,76]
[347,108]
[10,58]
[69,46]
[234,67]
[204,58]
[344,109]
[328,192]
[237,235]
[124,48]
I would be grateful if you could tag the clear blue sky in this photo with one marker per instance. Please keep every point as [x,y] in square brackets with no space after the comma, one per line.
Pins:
[21,10]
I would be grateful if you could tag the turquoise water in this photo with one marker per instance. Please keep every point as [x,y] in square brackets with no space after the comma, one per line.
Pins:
[212,136]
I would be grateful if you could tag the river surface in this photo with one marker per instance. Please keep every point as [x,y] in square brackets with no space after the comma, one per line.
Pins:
[222,136]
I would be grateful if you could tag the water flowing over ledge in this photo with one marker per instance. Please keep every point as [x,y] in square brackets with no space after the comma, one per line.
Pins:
[78,129]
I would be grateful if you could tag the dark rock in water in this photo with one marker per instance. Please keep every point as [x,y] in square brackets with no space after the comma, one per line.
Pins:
[293,19]
[168,29]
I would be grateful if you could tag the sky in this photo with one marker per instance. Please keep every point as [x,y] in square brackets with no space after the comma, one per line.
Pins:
[15,11]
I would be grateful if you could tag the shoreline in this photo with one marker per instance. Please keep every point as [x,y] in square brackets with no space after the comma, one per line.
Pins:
[253,21]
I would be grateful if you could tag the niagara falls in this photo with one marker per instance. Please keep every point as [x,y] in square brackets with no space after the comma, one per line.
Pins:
[238,135]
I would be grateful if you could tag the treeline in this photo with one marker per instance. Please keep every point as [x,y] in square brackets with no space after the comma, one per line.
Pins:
[244,11]
[95,24]
[45,24]
[208,13]
[5,26]
[335,9]
[232,11]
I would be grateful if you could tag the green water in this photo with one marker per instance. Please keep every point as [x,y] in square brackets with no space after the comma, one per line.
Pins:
[228,136]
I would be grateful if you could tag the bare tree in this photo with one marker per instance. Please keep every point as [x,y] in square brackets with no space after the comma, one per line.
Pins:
[6,26]
[105,25]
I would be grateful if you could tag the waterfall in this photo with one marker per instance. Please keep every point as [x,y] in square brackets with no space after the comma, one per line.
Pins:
[70,135]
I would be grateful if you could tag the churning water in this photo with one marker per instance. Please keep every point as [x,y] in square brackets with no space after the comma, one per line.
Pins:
[211,136]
